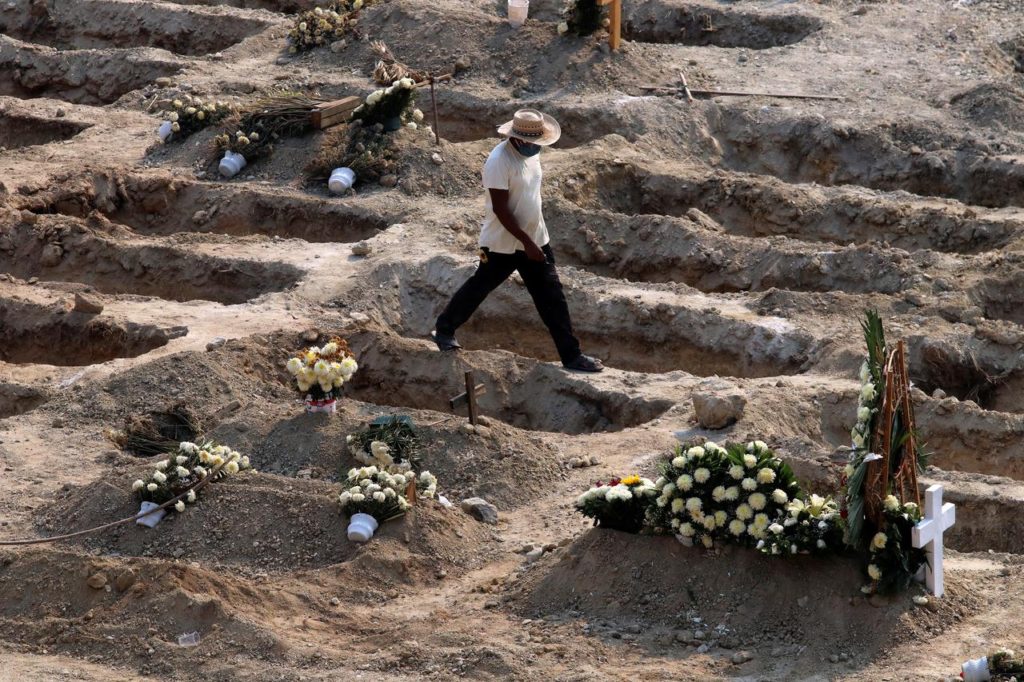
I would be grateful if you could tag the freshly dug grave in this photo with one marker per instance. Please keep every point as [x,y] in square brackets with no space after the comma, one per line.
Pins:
[684,23]
[18,399]
[619,327]
[746,205]
[504,466]
[521,392]
[802,607]
[18,131]
[64,249]
[97,24]
[262,523]
[49,335]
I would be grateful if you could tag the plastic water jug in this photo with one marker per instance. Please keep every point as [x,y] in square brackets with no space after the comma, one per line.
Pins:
[517,11]
[361,527]
[150,520]
[341,180]
[976,670]
[231,164]
[164,131]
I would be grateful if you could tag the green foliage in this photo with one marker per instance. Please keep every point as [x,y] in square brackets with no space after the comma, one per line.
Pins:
[398,433]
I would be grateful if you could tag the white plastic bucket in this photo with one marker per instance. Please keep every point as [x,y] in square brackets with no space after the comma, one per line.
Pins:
[976,670]
[231,164]
[517,11]
[150,520]
[341,180]
[164,131]
[361,527]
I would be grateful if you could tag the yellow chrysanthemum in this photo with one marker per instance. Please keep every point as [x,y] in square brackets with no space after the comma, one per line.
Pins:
[630,480]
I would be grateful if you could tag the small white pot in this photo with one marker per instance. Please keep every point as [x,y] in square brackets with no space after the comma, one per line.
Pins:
[976,670]
[517,11]
[361,527]
[150,520]
[231,164]
[164,131]
[341,180]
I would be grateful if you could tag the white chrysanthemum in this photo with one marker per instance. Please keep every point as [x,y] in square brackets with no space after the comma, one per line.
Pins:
[181,471]
[379,496]
[779,496]
[322,368]
[701,475]
[744,512]
[694,504]
[330,348]
[152,487]
[737,527]
[138,485]
[684,482]
[191,496]
[760,520]
[718,494]
[668,489]
[721,517]
[677,505]
[159,476]
[736,471]
[231,467]
[407,83]
[707,541]
[891,503]
[749,484]
[911,508]
[863,413]
[417,115]
[766,476]
[749,461]
[179,506]
[695,452]
[858,441]
[687,530]
[879,541]
[757,501]
[374,97]
[848,470]
[709,522]
[821,544]
[874,572]
[868,393]
[816,504]
[181,459]
[358,497]
[732,493]
[163,464]
[563,28]
[349,366]
[200,471]
[619,492]
[760,446]
[776,528]
[865,373]
[294,365]
[679,462]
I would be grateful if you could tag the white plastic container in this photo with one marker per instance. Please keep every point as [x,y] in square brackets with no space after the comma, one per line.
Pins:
[341,180]
[150,520]
[231,164]
[517,11]
[361,527]
[976,670]
[164,131]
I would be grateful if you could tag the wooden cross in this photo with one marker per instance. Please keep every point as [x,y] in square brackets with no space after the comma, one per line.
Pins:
[469,397]
[615,22]
[927,535]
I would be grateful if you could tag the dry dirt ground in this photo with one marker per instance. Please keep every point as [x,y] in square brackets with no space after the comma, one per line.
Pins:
[725,244]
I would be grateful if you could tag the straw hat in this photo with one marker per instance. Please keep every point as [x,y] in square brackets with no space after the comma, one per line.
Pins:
[529,125]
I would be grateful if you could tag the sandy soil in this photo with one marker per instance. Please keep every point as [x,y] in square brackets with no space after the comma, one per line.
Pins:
[729,244]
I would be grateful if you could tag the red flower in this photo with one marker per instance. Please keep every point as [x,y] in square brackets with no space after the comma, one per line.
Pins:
[615,481]
[843,513]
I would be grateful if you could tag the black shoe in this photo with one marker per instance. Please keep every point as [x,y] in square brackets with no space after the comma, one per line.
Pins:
[444,342]
[584,363]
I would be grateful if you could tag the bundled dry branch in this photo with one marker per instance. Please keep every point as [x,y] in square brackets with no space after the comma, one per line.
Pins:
[389,69]
[258,126]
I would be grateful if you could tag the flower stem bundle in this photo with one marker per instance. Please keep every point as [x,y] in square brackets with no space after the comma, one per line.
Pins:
[389,70]
[620,504]
[190,114]
[184,468]
[255,129]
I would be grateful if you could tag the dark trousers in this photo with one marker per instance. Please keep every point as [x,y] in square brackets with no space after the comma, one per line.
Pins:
[541,280]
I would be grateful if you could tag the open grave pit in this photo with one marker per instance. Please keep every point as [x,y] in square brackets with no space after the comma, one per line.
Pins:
[758,206]
[18,399]
[64,250]
[92,77]
[99,24]
[988,374]
[684,23]
[692,250]
[32,333]
[920,158]
[21,130]
[519,391]
[618,324]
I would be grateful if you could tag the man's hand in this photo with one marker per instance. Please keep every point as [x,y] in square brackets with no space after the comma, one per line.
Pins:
[534,252]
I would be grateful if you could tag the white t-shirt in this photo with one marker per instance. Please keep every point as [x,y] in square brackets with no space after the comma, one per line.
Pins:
[521,176]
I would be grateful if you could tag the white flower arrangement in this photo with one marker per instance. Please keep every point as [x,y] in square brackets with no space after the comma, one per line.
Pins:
[381,493]
[184,468]
[320,372]
[811,525]
[619,504]
[190,114]
[386,105]
[323,25]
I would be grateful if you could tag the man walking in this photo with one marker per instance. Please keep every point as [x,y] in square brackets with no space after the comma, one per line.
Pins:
[514,237]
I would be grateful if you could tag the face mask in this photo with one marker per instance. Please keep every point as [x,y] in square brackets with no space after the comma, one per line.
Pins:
[526,148]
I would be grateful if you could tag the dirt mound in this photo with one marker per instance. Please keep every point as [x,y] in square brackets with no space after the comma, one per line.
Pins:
[260,523]
[993,105]
[802,607]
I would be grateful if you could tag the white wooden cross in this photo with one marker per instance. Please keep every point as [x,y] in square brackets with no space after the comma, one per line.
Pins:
[927,535]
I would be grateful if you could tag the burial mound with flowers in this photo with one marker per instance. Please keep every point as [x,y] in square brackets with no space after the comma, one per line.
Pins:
[710,493]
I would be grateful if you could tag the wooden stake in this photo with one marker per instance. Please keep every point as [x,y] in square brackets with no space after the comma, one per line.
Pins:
[686,87]
[433,103]
[614,22]
[471,396]
[741,93]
